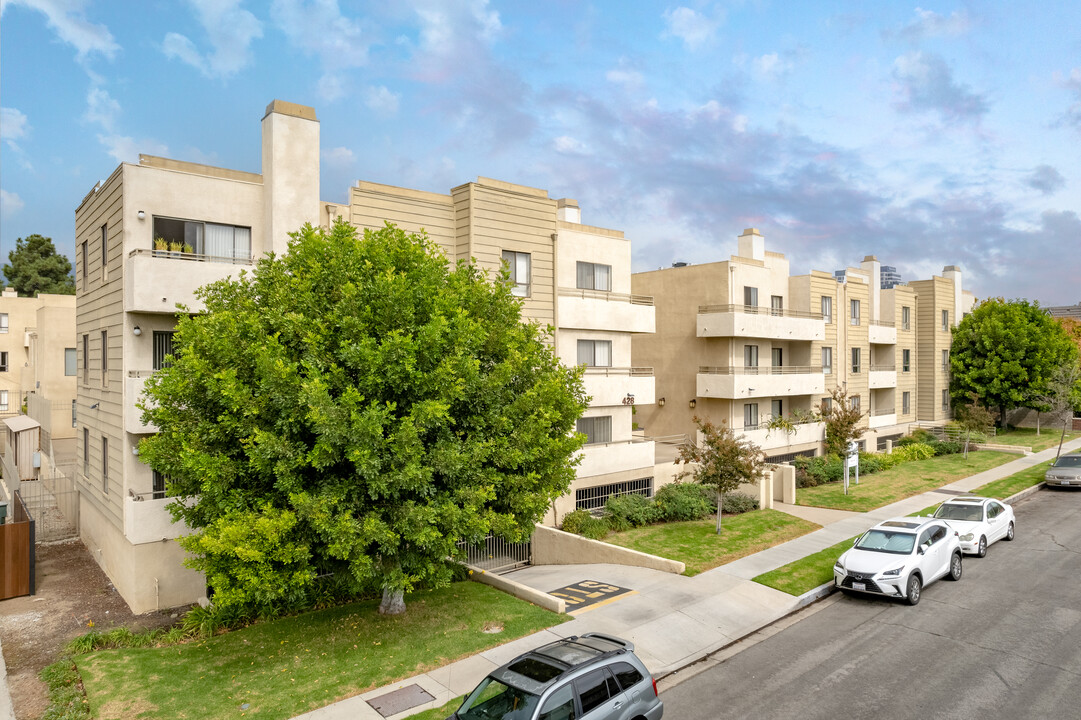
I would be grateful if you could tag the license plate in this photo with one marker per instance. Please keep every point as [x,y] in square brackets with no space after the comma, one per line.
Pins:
[859,586]
[1065,482]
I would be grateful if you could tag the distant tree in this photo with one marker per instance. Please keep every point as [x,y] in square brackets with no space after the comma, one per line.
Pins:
[351,412]
[1073,330]
[37,268]
[972,417]
[1004,353]
[841,421]
[724,461]
[1063,396]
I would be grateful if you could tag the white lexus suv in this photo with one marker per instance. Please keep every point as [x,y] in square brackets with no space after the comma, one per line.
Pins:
[897,558]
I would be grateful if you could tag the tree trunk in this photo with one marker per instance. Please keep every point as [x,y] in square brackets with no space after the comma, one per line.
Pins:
[1062,436]
[720,507]
[393,602]
[968,434]
[1037,423]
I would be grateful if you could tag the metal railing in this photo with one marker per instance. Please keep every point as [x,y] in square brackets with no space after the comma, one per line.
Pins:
[197,257]
[761,370]
[619,371]
[494,554]
[605,295]
[884,323]
[140,373]
[758,310]
[883,368]
[886,411]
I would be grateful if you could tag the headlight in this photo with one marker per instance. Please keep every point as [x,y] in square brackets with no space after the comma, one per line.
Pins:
[895,571]
[838,566]
[967,537]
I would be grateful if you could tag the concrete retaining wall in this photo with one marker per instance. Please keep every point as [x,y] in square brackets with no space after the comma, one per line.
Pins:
[555,547]
[518,590]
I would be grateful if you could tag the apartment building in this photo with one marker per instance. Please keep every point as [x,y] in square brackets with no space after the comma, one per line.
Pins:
[742,341]
[153,232]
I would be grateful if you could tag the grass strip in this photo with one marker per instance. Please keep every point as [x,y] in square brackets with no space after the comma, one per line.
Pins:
[1007,486]
[289,666]
[696,543]
[1049,437]
[439,713]
[807,573]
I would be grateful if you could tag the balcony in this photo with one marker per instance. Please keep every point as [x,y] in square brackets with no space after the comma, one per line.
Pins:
[882,418]
[881,332]
[146,520]
[604,458]
[599,310]
[760,382]
[156,280]
[882,376]
[133,392]
[619,386]
[775,439]
[759,322]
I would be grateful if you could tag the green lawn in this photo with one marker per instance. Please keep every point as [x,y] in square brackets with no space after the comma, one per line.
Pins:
[807,573]
[1015,483]
[1048,437]
[440,713]
[696,543]
[904,480]
[292,665]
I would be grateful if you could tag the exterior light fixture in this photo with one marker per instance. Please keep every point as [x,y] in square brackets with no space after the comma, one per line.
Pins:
[692,403]
[137,330]
[660,402]
[141,214]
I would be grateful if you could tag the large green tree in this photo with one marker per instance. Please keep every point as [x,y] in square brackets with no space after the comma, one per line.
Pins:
[37,268]
[1004,353]
[352,411]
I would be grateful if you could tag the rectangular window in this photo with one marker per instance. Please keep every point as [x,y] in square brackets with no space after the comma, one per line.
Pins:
[945,400]
[86,452]
[518,266]
[105,252]
[594,276]
[750,357]
[596,429]
[595,353]
[827,360]
[3,361]
[776,408]
[945,321]
[855,360]
[906,403]
[163,348]
[71,362]
[74,409]
[854,402]
[827,309]
[86,359]
[750,299]
[826,405]
[776,305]
[855,312]
[3,400]
[212,241]
[906,360]
[159,485]
[945,361]
[594,498]
[3,322]
[906,315]
[777,357]
[105,358]
[750,416]
[86,260]
[105,464]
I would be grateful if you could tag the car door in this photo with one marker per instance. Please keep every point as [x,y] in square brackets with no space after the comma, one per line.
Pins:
[925,553]
[995,521]
[559,705]
[599,696]
[636,687]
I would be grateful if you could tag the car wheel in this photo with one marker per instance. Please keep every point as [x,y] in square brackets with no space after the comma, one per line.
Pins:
[1009,532]
[912,597]
[982,550]
[955,566]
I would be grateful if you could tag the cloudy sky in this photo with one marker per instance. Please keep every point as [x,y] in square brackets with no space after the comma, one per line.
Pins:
[931,134]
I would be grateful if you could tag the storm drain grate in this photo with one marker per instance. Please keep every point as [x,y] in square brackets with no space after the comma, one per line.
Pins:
[401,700]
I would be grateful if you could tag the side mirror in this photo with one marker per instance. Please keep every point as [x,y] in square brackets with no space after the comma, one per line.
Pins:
[919,550]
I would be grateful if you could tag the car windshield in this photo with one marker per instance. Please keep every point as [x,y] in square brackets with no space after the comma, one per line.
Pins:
[1069,461]
[970,513]
[492,700]
[899,543]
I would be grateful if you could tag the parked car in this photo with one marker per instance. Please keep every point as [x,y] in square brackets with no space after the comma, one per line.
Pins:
[979,522]
[594,676]
[898,558]
[1065,471]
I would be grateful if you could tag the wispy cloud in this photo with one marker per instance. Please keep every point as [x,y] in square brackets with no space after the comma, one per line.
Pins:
[10,203]
[339,157]
[124,148]
[319,28]
[928,24]
[1072,83]
[1046,179]
[230,31]
[13,127]
[773,66]
[925,83]
[101,108]
[695,29]
[67,18]
[382,100]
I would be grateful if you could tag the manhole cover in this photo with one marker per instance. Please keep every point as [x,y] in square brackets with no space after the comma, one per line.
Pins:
[400,700]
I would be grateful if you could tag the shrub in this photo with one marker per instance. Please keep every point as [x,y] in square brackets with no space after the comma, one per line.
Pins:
[573,521]
[683,501]
[582,522]
[819,470]
[634,509]
[737,502]
[947,447]
[916,436]
[915,451]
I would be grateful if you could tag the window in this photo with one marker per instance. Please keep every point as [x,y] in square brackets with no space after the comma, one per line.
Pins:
[776,305]
[159,485]
[105,464]
[105,358]
[163,348]
[906,403]
[104,252]
[592,690]
[595,353]
[750,416]
[596,429]
[750,357]
[212,240]
[945,361]
[945,400]
[86,452]
[593,276]
[559,705]
[854,402]
[86,359]
[3,361]
[3,400]
[86,260]
[74,406]
[945,321]
[906,314]
[906,360]
[827,360]
[855,312]
[518,266]
[71,362]
[826,405]
[3,322]
[750,299]
[594,498]
[776,408]
[855,360]
[777,357]
[827,309]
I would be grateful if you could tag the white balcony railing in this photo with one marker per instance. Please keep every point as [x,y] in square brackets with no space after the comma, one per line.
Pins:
[604,458]
[882,376]
[156,280]
[599,310]
[146,520]
[760,382]
[133,392]
[882,418]
[608,386]
[759,322]
[775,438]
[882,332]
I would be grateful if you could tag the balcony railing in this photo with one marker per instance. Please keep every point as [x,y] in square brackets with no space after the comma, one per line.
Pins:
[884,411]
[619,371]
[195,257]
[758,310]
[883,368]
[760,370]
[884,323]
[603,295]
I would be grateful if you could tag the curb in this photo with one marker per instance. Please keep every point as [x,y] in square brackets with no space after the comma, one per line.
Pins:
[1024,493]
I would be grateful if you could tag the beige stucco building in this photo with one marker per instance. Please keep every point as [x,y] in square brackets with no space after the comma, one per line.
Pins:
[743,341]
[215,221]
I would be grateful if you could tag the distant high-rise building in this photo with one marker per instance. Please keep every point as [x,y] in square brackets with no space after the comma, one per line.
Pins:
[890,277]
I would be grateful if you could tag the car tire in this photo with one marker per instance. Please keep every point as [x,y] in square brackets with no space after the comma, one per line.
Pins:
[981,551]
[1009,532]
[913,588]
[955,567]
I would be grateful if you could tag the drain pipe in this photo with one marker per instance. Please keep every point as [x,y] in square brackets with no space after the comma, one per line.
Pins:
[157,596]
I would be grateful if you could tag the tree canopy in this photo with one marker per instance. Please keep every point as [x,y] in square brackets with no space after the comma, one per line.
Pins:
[842,421]
[37,268]
[346,415]
[723,460]
[1005,352]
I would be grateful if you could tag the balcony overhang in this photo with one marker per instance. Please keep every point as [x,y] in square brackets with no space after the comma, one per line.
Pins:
[614,312]
[729,384]
[739,321]
[155,281]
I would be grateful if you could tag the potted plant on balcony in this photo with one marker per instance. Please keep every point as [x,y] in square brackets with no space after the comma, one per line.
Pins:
[161,246]
[188,250]
[175,248]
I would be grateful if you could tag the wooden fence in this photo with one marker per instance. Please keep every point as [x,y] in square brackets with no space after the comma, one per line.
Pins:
[17,551]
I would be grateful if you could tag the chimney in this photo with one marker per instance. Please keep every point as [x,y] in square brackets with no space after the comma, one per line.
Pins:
[290,171]
[953,272]
[752,245]
[568,211]
[873,268]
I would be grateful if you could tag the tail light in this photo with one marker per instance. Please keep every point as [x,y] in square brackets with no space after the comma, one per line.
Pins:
[655,693]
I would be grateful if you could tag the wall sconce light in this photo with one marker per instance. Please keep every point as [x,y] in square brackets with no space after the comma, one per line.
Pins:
[750,390]
[692,403]
[92,407]
[141,214]
[135,450]
[137,330]
[660,402]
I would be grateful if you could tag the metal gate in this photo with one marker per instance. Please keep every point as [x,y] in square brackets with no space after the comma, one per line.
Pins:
[53,502]
[497,555]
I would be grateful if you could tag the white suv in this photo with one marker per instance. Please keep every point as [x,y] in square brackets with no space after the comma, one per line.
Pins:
[897,558]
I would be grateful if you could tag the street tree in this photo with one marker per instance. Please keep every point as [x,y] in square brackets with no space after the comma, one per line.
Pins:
[36,267]
[1004,352]
[347,414]
[972,417]
[842,420]
[723,460]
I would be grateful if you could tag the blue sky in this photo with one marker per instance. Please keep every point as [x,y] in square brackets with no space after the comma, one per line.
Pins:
[926,134]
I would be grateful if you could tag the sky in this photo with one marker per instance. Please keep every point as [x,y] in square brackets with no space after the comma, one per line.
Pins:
[930,134]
